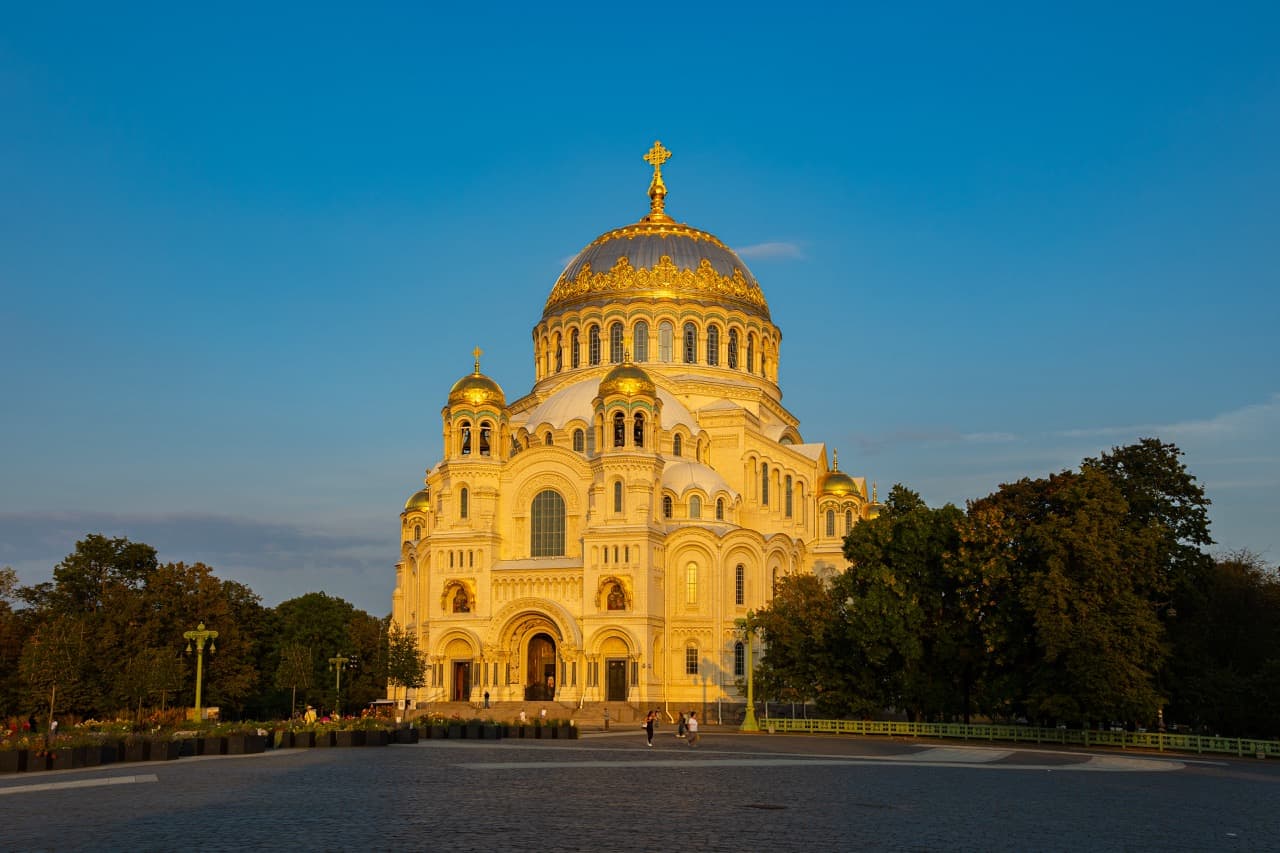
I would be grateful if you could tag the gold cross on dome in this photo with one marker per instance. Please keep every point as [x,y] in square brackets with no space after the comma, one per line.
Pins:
[657,156]
[477,352]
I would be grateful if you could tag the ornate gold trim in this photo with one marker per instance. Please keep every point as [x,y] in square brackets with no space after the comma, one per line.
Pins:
[664,278]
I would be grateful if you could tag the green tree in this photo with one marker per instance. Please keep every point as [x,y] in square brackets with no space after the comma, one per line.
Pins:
[1060,581]
[799,660]
[53,664]
[296,670]
[406,664]
[153,672]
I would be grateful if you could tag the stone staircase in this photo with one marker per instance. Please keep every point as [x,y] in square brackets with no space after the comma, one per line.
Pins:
[588,717]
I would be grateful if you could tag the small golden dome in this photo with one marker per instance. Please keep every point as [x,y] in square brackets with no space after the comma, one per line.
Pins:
[476,389]
[836,482]
[421,499]
[627,379]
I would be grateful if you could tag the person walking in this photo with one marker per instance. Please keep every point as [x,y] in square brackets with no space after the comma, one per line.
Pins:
[681,726]
[648,726]
[692,728]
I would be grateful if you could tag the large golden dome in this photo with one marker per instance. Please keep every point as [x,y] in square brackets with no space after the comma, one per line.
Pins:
[420,499]
[477,389]
[837,482]
[657,257]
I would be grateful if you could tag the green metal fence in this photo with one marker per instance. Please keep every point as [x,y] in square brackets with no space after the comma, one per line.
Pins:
[1159,741]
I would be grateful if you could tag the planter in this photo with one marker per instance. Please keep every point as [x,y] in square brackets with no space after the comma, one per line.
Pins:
[348,737]
[454,732]
[439,731]
[211,746]
[472,731]
[246,744]
[407,735]
[303,740]
[136,751]
[163,750]
[13,760]
[67,758]
[324,739]
[567,732]
[377,737]
[490,732]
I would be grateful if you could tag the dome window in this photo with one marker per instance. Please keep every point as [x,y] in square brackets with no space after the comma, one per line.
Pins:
[764,484]
[486,432]
[733,349]
[713,346]
[665,335]
[465,432]
[695,507]
[751,353]
[548,440]
[575,350]
[559,355]
[638,432]
[640,341]
[593,345]
[831,522]
[690,343]
[848,521]
[719,509]
[666,506]
[786,498]
[676,445]
[579,441]
[615,343]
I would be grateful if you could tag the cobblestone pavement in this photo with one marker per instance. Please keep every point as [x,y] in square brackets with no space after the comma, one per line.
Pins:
[611,792]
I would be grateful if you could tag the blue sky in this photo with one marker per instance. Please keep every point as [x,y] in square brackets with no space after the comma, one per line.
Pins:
[245,252]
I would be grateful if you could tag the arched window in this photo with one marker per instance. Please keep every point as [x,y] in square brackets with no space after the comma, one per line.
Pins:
[690,343]
[615,343]
[764,484]
[547,525]
[579,441]
[617,496]
[713,345]
[786,498]
[676,445]
[666,506]
[559,355]
[665,335]
[719,509]
[695,507]
[464,507]
[486,433]
[640,341]
[733,349]
[739,660]
[691,659]
[619,430]
[417,532]
[637,431]
[751,353]
[691,583]
[465,431]
[548,440]
[831,522]
[593,345]
[739,584]
[451,559]
[575,349]
[848,521]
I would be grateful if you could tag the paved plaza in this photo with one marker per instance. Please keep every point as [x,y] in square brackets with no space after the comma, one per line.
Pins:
[610,792]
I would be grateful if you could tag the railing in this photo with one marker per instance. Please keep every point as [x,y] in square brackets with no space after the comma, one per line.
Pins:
[1159,741]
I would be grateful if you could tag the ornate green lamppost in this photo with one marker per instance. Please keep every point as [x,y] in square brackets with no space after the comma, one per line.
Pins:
[337,664]
[749,723]
[200,637]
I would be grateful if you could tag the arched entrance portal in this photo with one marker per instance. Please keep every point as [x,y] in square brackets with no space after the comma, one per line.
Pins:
[540,671]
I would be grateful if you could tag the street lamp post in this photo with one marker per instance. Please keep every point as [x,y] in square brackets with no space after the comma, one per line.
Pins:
[200,637]
[337,664]
[749,723]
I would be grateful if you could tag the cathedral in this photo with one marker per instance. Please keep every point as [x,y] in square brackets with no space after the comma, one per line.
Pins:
[600,538]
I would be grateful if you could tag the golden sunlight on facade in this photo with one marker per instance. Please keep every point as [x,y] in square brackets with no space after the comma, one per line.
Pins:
[596,539]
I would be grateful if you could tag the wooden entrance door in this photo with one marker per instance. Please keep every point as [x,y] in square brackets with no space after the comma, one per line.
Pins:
[461,681]
[616,680]
[540,676]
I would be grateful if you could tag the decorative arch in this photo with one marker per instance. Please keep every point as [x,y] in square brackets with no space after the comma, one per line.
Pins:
[607,585]
[449,596]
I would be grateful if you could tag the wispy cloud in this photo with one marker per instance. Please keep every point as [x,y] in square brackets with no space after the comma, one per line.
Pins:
[776,249]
